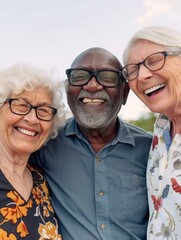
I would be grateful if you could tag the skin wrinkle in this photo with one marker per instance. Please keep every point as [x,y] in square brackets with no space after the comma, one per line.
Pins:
[164,98]
[147,79]
[168,97]
[97,120]
[94,120]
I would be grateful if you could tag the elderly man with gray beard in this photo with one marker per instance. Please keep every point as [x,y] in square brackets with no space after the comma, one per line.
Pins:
[96,166]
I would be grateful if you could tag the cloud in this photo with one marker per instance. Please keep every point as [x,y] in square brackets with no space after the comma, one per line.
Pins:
[154,9]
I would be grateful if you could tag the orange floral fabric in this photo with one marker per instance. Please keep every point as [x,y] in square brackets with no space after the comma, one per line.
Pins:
[31,220]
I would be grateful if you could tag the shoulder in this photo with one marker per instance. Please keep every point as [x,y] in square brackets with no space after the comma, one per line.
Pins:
[137,130]
[136,134]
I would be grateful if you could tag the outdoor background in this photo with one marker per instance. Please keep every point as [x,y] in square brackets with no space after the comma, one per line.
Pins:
[51,33]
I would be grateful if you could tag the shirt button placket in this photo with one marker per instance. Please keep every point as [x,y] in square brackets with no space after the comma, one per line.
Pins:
[102,202]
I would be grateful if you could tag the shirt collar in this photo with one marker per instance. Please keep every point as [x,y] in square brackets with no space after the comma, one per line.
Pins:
[124,135]
[162,121]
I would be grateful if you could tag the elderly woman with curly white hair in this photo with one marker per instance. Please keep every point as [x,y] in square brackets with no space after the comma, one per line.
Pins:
[31,110]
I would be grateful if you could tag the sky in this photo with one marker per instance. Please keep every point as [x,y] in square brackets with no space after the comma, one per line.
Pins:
[51,33]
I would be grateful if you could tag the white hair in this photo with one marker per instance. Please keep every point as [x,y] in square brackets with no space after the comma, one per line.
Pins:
[167,37]
[20,77]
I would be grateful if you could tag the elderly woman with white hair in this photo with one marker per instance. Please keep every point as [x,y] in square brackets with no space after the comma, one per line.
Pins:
[31,111]
[152,61]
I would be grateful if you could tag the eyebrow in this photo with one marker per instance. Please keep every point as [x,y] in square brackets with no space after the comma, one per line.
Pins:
[40,104]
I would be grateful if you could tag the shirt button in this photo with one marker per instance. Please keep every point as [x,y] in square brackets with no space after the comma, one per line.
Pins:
[102,226]
[101,194]
[160,177]
[98,159]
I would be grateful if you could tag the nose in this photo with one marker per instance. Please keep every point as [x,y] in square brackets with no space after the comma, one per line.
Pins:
[93,85]
[144,73]
[31,117]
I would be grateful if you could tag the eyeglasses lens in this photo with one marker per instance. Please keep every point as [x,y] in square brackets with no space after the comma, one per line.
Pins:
[106,78]
[21,107]
[153,62]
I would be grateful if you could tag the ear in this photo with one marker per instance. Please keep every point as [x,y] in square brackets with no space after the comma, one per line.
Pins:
[125,92]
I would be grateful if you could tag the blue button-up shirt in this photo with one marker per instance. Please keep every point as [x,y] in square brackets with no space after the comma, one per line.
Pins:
[102,195]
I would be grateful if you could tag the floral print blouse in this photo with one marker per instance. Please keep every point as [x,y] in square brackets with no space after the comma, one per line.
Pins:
[164,183]
[31,220]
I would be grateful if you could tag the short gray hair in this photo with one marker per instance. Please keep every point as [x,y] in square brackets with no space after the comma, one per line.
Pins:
[167,37]
[20,77]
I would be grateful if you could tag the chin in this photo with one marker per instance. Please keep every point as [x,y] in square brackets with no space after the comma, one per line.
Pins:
[91,125]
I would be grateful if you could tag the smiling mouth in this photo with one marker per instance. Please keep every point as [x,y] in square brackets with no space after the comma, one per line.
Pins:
[95,101]
[26,132]
[154,89]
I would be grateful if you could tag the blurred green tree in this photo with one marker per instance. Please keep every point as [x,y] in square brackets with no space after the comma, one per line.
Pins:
[146,122]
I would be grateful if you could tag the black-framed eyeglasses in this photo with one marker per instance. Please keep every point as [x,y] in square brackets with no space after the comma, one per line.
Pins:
[105,77]
[21,107]
[153,62]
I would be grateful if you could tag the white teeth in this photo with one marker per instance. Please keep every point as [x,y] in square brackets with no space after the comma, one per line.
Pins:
[95,101]
[152,89]
[27,132]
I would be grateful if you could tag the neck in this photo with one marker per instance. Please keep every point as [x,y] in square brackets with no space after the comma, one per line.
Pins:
[17,174]
[12,162]
[98,138]
[175,125]
[11,169]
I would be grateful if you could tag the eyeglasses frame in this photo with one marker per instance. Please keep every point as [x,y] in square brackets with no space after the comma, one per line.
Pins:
[164,53]
[93,73]
[10,100]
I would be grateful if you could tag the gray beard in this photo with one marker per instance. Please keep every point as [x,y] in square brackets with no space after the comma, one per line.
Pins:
[92,121]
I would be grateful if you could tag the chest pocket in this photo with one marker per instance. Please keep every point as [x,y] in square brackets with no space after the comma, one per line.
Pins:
[128,193]
[134,197]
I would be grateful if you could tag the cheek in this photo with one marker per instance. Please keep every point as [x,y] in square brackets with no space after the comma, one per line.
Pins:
[46,129]
[8,121]
[172,76]
[133,86]
[72,90]
[172,72]
[72,94]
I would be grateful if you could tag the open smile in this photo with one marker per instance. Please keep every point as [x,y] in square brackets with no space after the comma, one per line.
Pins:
[26,132]
[154,89]
[95,101]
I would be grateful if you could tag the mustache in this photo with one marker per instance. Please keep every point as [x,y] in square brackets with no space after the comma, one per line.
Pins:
[100,94]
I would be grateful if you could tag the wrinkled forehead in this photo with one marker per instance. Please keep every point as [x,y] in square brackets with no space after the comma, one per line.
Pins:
[140,49]
[96,60]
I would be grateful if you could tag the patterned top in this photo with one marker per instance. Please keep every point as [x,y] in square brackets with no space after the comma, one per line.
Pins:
[164,183]
[31,220]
